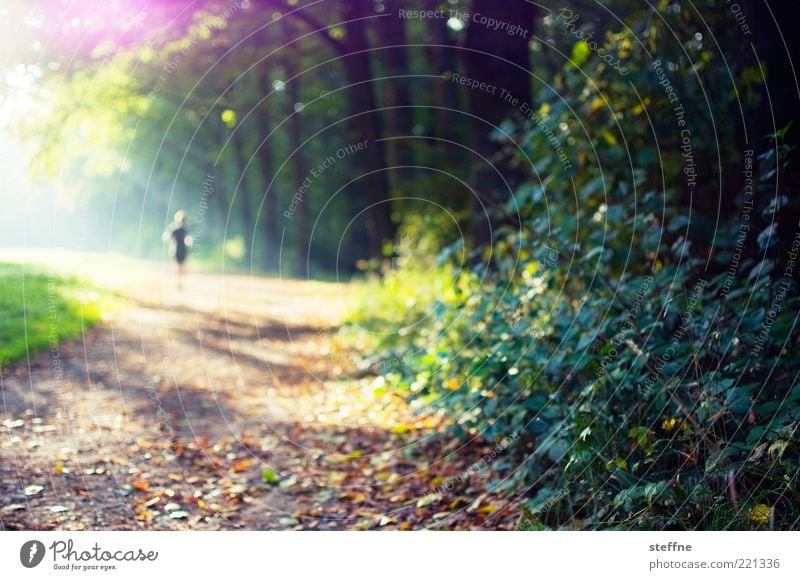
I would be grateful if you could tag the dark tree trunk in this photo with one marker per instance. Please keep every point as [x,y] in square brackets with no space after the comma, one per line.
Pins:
[221,173]
[442,54]
[781,65]
[365,126]
[373,189]
[270,238]
[771,24]
[301,234]
[500,60]
[399,116]
[243,194]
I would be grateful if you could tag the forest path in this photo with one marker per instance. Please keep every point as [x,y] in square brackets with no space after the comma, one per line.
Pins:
[224,405]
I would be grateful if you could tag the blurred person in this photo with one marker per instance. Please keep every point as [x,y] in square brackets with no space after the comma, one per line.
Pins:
[179,241]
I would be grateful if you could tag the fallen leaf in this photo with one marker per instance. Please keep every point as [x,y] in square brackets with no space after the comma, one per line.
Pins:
[145,516]
[33,490]
[140,485]
[242,465]
[270,476]
[14,507]
[474,505]
[458,502]
[288,482]
[429,499]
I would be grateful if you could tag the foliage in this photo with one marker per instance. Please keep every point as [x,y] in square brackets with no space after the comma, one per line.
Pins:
[641,359]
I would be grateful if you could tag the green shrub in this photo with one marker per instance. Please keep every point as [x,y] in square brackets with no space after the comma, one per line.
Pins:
[641,357]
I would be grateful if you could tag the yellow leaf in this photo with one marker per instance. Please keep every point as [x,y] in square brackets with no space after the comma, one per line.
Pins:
[760,514]
[669,424]
[459,501]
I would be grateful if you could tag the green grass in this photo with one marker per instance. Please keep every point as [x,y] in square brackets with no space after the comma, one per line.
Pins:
[38,310]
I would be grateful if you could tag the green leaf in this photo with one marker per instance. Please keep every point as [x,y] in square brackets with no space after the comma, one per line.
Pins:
[738,401]
[270,476]
[580,52]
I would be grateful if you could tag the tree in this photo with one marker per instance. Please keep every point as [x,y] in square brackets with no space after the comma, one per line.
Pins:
[391,36]
[364,125]
[270,238]
[499,59]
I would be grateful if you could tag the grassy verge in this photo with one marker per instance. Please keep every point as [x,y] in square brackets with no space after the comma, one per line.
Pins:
[38,309]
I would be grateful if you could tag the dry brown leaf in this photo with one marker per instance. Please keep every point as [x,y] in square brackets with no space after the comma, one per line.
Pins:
[140,484]
[242,465]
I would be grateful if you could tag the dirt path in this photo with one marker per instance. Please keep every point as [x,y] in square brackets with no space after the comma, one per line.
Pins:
[227,405]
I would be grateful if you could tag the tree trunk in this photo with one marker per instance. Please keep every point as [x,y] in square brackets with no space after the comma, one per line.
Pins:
[781,67]
[779,106]
[442,54]
[270,238]
[220,195]
[301,235]
[372,186]
[243,194]
[500,60]
[366,127]
[399,114]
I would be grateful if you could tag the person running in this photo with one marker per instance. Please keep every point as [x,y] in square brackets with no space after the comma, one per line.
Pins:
[179,242]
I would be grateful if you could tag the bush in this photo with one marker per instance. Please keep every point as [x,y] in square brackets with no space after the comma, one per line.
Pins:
[641,358]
